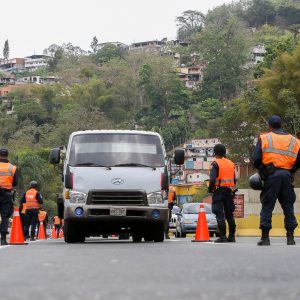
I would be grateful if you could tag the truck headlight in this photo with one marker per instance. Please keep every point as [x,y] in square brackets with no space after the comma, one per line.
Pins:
[155,198]
[77,197]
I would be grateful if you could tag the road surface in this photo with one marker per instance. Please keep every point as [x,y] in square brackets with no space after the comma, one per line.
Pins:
[174,269]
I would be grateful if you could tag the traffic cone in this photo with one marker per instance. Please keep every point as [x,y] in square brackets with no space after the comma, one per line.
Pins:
[61,233]
[202,234]
[53,234]
[41,235]
[16,233]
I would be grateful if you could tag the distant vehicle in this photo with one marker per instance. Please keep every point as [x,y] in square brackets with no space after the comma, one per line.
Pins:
[187,220]
[172,224]
[114,182]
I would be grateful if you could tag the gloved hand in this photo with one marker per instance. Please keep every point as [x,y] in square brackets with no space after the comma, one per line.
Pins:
[210,189]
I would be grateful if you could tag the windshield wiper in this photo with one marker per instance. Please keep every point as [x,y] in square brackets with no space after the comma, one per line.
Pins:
[134,165]
[90,164]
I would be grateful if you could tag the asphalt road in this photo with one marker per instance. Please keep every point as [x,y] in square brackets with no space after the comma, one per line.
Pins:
[174,269]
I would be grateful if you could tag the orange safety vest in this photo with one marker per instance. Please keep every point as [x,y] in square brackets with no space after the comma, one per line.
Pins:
[280,150]
[31,200]
[7,172]
[56,221]
[42,215]
[226,173]
[171,196]
[23,208]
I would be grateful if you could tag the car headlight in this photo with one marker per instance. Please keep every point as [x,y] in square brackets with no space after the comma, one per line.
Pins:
[188,222]
[77,197]
[155,198]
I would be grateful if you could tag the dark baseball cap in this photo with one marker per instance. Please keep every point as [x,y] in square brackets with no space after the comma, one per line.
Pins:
[275,122]
[3,151]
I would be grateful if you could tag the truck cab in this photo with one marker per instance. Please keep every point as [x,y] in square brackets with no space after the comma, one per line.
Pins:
[114,182]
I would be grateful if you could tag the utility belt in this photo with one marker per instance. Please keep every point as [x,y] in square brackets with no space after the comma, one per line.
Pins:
[4,190]
[269,169]
[225,189]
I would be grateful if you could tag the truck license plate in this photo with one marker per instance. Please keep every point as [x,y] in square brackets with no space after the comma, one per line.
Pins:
[118,211]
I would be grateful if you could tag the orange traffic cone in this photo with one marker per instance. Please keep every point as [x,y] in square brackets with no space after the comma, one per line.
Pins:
[41,235]
[202,234]
[61,233]
[53,234]
[16,234]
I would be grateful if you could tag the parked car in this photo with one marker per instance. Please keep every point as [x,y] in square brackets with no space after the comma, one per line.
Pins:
[188,218]
[173,221]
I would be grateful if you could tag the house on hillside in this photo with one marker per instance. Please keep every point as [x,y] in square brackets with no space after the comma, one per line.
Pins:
[258,53]
[192,76]
[13,65]
[36,61]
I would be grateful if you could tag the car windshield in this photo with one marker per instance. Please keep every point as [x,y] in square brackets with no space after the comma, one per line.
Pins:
[194,208]
[116,149]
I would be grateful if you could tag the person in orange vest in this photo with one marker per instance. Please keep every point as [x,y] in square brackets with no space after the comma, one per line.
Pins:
[8,181]
[23,217]
[222,186]
[33,200]
[57,224]
[172,198]
[277,156]
[43,217]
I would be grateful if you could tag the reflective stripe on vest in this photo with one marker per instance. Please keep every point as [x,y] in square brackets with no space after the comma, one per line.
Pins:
[226,173]
[23,208]
[42,215]
[31,200]
[7,172]
[280,150]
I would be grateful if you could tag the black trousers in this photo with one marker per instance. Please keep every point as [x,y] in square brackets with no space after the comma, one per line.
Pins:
[223,206]
[170,207]
[278,186]
[31,221]
[6,209]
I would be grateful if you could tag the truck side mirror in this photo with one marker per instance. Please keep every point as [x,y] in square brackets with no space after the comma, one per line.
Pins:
[54,157]
[179,157]
[165,180]
[68,179]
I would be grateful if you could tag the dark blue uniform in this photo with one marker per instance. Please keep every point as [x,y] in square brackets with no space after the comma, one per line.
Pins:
[276,186]
[6,203]
[222,200]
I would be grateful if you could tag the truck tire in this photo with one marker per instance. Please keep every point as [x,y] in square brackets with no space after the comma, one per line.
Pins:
[72,234]
[159,233]
[136,237]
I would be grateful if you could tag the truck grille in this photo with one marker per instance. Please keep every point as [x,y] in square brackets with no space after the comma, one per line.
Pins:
[117,198]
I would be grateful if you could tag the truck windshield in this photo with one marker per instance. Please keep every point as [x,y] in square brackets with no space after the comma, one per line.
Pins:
[108,150]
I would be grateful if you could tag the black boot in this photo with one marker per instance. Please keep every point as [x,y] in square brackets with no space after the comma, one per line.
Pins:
[32,237]
[222,234]
[265,240]
[231,236]
[3,240]
[290,237]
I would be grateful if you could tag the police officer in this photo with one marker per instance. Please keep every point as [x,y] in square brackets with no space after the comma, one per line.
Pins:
[172,198]
[222,185]
[276,156]
[33,200]
[8,181]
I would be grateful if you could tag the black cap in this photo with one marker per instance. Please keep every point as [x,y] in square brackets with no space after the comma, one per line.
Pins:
[3,152]
[275,122]
[220,149]
[33,184]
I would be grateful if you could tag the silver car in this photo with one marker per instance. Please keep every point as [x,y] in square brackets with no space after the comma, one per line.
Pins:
[188,218]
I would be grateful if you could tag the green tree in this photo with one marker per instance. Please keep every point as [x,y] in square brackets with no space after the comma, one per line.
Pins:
[107,52]
[94,44]
[6,50]
[189,23]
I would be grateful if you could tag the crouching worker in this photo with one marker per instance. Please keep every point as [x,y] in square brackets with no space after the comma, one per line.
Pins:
[222,185]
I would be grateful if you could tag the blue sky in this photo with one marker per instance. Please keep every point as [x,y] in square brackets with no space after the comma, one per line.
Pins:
[32,25]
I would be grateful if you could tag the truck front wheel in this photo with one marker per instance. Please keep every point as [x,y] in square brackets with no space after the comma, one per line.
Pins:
[158,233]
[72,233]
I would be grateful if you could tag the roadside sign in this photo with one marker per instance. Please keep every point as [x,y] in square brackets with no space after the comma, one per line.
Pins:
[239,206]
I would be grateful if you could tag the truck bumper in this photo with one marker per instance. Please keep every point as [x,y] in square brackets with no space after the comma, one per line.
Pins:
[134,214]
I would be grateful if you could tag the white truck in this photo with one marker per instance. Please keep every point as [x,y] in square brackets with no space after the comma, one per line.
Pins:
[114,182]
